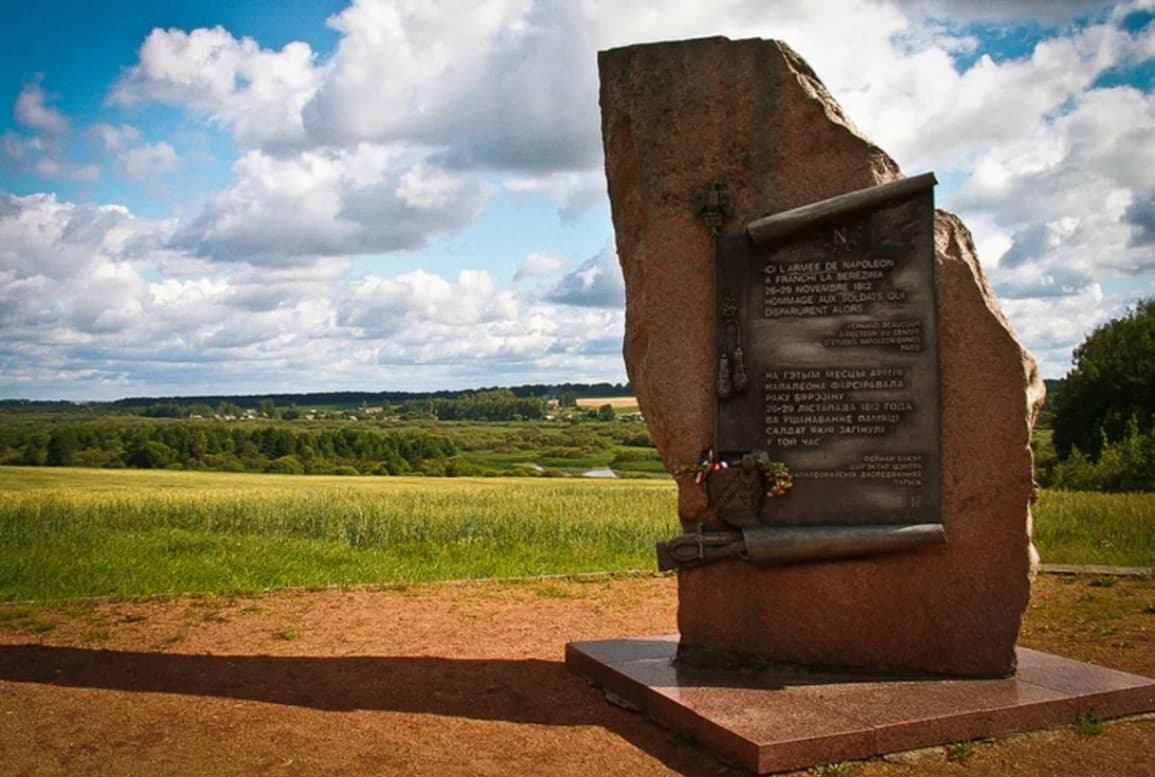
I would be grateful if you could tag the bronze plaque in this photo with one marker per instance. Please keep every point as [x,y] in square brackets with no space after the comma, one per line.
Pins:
[828,356]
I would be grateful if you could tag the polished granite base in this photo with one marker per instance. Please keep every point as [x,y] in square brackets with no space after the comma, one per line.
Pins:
[772,721]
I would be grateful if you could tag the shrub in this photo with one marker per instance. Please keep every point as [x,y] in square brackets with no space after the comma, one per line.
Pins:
[1127,465]
[286,465]
[1109,387]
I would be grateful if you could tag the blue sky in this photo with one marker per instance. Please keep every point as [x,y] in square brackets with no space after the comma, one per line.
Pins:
[305,195]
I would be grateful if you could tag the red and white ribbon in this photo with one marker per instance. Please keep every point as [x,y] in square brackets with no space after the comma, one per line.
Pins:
[709,463]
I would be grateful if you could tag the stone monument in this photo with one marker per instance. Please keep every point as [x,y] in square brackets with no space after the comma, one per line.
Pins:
[825,370]
[751,123]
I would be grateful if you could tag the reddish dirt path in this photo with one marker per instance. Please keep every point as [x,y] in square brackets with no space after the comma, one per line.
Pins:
[435,680]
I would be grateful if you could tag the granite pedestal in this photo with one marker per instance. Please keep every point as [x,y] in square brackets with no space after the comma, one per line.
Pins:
[772,721]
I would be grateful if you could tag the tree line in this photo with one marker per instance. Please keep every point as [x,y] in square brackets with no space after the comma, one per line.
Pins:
[1103,414]
[489,405]
[233,448]
[541,391]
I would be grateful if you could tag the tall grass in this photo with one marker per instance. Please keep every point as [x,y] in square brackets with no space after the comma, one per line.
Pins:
[74,532]
[1083,527]
[66,533]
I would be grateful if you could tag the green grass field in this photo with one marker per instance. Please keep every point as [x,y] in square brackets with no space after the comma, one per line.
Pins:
[75,532]
[1081,527]
[68,533]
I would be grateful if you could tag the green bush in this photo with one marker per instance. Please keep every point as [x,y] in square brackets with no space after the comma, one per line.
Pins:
[1109,387]
[631,455]
[638,439]
[286,465]
[1127,465]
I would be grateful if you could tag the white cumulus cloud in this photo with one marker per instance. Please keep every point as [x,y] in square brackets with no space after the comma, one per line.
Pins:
[257,92]
[32,111]
[596,283]
[148,160]
[539,264]
[330,202]
[423,114]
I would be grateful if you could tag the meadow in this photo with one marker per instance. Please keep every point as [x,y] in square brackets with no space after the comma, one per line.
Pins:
[86,532]
[70,532]
[1086,527]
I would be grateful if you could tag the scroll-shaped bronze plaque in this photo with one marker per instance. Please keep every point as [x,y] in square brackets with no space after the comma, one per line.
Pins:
[828,356]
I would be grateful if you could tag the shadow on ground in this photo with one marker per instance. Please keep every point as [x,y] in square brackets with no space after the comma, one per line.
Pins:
[529,691]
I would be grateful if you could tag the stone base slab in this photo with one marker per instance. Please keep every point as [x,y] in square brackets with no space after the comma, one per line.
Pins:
[773,721]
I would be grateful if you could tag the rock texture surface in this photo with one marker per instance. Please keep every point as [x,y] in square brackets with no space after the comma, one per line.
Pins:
[676,117]
[750,113]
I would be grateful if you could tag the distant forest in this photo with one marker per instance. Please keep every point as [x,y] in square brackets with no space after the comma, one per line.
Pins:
[141,405]
[214,446]
[343,433]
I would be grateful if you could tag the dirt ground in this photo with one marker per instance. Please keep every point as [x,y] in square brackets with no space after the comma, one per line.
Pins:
[442,680]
